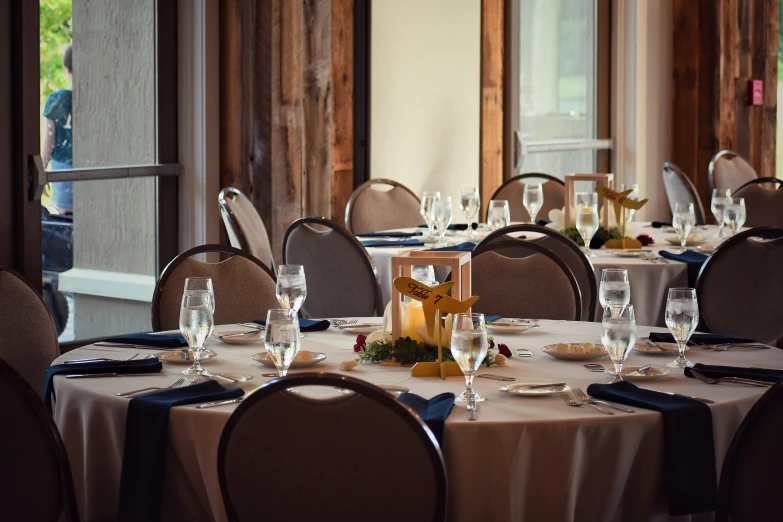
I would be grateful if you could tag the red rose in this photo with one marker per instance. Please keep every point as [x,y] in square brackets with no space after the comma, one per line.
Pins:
[503,349]
[491,343]
[645,240]
[359,343]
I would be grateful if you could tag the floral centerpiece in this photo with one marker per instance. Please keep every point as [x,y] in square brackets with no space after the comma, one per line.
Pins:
[602,235]
[379,348]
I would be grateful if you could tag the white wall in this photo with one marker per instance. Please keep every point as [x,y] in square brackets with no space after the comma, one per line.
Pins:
[425,94]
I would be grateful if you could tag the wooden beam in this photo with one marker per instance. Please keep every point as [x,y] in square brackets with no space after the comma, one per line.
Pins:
[769,117]
[491,167]
[685,104]
[342,109]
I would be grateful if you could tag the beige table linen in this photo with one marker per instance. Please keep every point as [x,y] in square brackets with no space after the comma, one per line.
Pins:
[525,459]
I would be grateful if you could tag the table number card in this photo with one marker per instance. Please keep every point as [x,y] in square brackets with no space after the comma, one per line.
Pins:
[620,201]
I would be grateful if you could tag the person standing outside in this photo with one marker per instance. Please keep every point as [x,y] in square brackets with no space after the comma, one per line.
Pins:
[57,147]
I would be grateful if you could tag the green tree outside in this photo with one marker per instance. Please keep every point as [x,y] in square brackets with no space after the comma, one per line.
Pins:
[55,35]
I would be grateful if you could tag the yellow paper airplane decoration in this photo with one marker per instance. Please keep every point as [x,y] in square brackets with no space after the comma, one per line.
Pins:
[432,299]
[619,199]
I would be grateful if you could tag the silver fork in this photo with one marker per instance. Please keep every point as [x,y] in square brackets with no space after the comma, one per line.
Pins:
[343,322]
[586,398]
[571,402]
[735,380]
[131,394]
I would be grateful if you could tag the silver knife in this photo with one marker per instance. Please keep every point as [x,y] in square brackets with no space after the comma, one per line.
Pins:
[705,401]
[219,403]
[552,385]
[96,375]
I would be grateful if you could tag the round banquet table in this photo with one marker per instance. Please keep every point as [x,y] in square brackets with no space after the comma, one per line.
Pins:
[650,280]
[525,459]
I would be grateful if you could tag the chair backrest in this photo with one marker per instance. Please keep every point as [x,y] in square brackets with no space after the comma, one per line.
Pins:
[29,340]
[513,189]
[763,207]
[568,252]
[244,287]
[244,227]
[680,189]
[740,286]
[519,278]
[382,204]
[729,170]
[37,482]
[315,448]
[750,478]
[341,277]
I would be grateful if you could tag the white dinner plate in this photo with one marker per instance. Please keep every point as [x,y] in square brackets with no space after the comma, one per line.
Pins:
[523,388]
[247,337]
[693,240]
[264,359]
[646,349]
[177,357]
[509,327]
[630,373]
[361,328]
[239,377]
[551,349]
[628,253]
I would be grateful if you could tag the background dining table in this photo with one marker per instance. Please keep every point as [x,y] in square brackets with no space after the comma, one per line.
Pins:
[524,459]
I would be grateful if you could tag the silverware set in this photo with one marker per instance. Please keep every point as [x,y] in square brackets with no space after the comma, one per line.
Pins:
[342,322]
[654,258]
[582,396]
[571,402]
[179,383]
[731,380]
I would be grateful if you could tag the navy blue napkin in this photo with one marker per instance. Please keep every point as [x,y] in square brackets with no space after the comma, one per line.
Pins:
[158,340]
[462,247]
[661,224]
[402,242]
[699,339]
[390,234]
[144,453]
[491,318]
[305,325]
[542,222]
[433,412]
[456,226]
[151,365]
[716,372]
[690,471]
[694,260]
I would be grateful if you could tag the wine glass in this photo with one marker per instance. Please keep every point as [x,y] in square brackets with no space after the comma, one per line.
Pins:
[291,287]
[683,221]
[618,335]
[587,218]
[682,316]
[734,214]
[281,338]
[196,322]
[498,214]
[615,290]
[533,200]
[717,205]
[470,203]
[427,198]
[441,218]
[202,285]
[629,212]
[423,272]
[469,346]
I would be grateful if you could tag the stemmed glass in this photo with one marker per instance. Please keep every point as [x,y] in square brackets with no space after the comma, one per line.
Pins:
[281,338]
[734,214]
[441,217]
[629,212]
[469,346]
[470,203]
[202,285]
[683,221]
[587,218]
[682,316]
[615,290]
[427,198]
[291,288]
[196,322]
[533,200]
[618,335]
[717,205]
[498,214]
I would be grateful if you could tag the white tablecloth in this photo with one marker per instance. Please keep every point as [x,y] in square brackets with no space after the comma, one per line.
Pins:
[523,460]
[650,281]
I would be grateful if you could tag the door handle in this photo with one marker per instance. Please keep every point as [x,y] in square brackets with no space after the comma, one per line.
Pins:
[37,177]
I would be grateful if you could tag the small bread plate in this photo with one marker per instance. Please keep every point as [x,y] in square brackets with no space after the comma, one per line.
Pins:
[240,336]
[631,373]
[304,359]
[669,349]
[693,240]
[631,252]
[575,351]
[360,328]
[177,357]
[511,325]
[534,389]
[706,249]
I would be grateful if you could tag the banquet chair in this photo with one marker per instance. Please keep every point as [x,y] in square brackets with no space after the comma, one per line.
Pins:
[740,286]
[750,478]
[244,287]
[513,190]
[763,207]
[680,189]
[309,461]
[244,227]
[520,278]
[37,481]
[728,170]
[341,277]
[382,204]
[28,343]
[567,251]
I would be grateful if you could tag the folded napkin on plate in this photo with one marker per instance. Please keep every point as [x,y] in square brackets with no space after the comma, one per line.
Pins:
[661,224]
[491,318]
[433,412]
[402,242]
[700,339]
[158,340]
[462,247]
[690,471]
[144,453]
[151,365]
[694,260]
[716,372]
[390,234]
[456,226]
[305,325]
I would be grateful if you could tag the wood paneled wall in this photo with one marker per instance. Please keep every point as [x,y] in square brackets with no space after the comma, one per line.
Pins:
[719,45]
[491,171]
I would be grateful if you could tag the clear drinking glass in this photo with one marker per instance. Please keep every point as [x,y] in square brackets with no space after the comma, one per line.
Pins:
[196,323]
[683,221]
[533,200]
[734,214]
[423,272]
[427,198]
[498,214]
[682,316]
[717,205]
[441,218]
[470,203]
[629,212]
[469,346]
[202,285]
[587,218]
[281,338]
[291,287]
[618,335]
[615,290]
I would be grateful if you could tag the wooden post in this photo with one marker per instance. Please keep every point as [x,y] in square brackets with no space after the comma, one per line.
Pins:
[491,171]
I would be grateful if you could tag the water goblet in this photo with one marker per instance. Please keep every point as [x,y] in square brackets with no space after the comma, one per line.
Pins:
[441,217]
[683,221]
[470,203]
[202,285]
[717,205]
[469,345]
[734,214]
[427,198]
[533,200]
[281,338]
[196,322]
[498,214]
[618,335]
[615,290]
[291,288]
[682,316]
[587,218]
